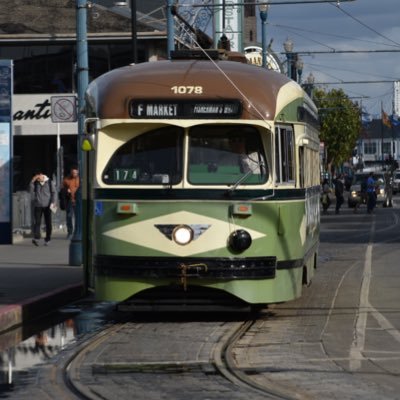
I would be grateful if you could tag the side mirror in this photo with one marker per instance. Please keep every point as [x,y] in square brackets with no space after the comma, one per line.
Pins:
[91,126]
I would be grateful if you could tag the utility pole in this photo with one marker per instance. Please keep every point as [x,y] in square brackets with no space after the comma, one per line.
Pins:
[75,248]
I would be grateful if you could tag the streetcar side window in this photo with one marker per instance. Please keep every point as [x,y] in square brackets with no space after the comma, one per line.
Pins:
[154,157]
[284,154]
[222,155]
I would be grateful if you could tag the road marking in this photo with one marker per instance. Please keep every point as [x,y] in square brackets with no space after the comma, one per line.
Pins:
[365,309]
[385,324]
[357,347]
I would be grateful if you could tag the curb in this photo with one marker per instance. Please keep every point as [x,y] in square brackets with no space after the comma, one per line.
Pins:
[14,315]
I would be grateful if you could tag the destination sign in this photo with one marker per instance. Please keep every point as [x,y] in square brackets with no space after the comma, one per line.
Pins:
[185,109]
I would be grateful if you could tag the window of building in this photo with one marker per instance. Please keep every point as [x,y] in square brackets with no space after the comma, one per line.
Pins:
[52,68]
[249,9]
[370,148]
[387,148]
[41,69]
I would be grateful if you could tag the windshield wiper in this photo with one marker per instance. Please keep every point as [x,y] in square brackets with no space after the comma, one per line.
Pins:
[257,164]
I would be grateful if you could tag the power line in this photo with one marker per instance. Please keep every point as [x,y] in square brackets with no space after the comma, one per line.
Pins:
[353,82]
[345,51]
[363,24]
[358,72]
[256,3]
[292,28]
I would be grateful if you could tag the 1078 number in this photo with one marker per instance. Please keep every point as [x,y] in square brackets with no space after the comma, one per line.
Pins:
[187,89]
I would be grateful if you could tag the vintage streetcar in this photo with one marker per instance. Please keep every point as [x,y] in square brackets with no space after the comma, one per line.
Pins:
[201,183]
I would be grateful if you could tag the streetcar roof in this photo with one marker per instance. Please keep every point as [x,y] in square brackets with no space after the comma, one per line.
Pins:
[108,96]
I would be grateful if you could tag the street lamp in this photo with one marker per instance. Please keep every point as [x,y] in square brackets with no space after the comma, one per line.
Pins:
[288,46]
[263,7]
[299,68]
[309,85]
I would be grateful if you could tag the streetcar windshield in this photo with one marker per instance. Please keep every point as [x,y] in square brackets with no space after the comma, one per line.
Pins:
[154,157]
[224,154]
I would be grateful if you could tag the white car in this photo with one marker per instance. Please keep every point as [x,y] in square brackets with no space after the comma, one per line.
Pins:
[396,182]
[358,190]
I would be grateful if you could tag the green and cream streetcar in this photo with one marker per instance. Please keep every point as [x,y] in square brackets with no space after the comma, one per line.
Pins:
[202,182]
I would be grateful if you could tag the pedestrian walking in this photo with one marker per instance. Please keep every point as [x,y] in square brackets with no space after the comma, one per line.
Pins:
[43,193]
[325,199]
[388,177]
[371,193]
[339,190]
[70,186]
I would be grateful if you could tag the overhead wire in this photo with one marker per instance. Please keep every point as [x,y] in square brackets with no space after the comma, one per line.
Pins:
[358,72]
[294,28]
[256,109]
[307,38]
[337,5]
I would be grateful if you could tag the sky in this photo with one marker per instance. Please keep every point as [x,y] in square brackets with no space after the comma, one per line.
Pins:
[357,25]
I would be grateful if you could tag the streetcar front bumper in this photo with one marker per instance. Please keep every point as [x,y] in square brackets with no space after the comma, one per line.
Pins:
[200,268]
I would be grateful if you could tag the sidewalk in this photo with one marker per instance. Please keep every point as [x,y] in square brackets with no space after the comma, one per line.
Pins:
[36,280]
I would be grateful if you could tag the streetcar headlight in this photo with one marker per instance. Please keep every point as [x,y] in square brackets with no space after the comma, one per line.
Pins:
[182,234]
[240,240]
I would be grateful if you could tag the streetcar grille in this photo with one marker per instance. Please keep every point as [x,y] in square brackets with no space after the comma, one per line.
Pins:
[202,268]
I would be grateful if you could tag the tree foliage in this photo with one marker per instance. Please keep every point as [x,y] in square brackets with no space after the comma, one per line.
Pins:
[340,124]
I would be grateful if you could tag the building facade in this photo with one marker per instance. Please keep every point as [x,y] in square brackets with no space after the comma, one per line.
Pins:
[377,145]
[40,39]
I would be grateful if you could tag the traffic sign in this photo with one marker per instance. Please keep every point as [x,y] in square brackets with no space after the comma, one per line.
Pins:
[63,109]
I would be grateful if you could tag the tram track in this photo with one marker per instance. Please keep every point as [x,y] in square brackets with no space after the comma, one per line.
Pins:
[290,351]
[257,357]
[72,368]
[219,364]
[227,366]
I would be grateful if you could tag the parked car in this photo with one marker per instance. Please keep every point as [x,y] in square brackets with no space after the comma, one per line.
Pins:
[358,189]
[380,189]
[396,182]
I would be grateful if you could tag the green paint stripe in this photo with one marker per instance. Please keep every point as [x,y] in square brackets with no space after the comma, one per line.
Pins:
[199,194]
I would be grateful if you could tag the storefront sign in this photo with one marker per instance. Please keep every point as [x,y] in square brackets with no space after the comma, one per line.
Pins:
[228,20]
[32,115]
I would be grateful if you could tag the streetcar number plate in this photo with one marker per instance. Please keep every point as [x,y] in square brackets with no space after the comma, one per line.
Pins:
[125,175]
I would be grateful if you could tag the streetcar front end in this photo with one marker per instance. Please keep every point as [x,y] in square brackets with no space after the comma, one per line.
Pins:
[198,194]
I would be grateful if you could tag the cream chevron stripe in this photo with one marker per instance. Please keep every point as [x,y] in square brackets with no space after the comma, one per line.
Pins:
[146,234]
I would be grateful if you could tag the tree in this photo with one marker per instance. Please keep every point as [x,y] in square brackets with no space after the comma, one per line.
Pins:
[340,125]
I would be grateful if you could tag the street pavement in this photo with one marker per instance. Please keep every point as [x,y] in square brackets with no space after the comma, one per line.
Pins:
[35,280]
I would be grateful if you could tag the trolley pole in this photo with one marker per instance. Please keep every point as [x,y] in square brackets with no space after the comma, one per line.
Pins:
[134,31]
[170,28]
[75,248]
